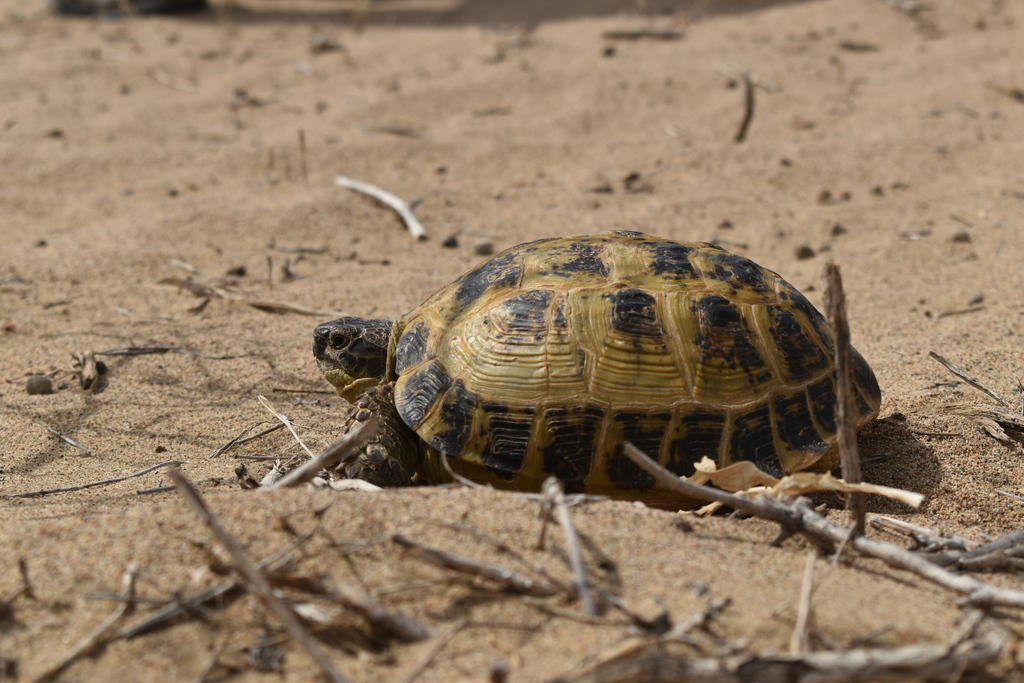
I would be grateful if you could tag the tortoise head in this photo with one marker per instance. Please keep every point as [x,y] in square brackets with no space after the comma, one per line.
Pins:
[354,354]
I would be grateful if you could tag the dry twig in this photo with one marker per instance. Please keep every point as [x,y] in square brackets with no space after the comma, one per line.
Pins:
[7,601]
[748,107]
[68,440]
[286,422]
[846,406]
[338,452]
[993,419]
[492,572]
[255,580]
[911,662]
[970,380]
[427,658]
[239,439]
[193,604]
[800,642]
[100,636]
[88,370]
[799,518]
[648,33]
[554,497]
[400,207]
[927,540]
[150,350]
[104,482]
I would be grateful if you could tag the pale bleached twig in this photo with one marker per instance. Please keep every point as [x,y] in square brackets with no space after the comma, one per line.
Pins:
[846,405]
[287,423]
[400,207]
[1007,494]
[554,497]
[104,482]
[100,635]
[340,450]
[68,440]
[800,518]
[254,579]
[799,642]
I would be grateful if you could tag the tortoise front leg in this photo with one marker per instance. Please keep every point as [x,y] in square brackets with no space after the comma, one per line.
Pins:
[390,458]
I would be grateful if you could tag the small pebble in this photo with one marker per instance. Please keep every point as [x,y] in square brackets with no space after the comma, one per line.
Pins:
[39,384]
[450,242]
[804,252]
[484,247]
[961,236]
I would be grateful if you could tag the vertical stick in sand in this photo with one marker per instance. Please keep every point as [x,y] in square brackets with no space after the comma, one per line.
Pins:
[846,407]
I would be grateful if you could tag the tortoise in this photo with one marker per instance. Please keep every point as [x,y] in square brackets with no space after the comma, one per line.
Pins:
[546,358]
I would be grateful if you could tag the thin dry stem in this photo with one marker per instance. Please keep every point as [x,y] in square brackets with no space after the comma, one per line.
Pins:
[491,572]
[339,451]
[101,635]
[254,579]
[554,497]
[287,423]
[104,482]
[970,380]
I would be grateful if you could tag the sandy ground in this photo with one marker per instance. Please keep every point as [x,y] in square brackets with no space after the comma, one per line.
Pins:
[886,142]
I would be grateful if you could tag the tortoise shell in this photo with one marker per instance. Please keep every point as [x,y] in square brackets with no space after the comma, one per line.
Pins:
[546,358]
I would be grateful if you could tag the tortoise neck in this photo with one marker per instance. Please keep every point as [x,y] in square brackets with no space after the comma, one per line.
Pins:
[396,331]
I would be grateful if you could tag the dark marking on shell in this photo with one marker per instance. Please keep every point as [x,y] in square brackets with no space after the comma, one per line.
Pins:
[701,436]
[802,357]
[573,430]
[724,337]
[641,236]
[672,260]
[420,391]
[821,396]
[586,259]
[793,422]
[457,412]
[508,439]
[738,271]
[634,314]
[647,437]
[502,271]
[817,320]
[558,319]
[412,347]
[525,313]
[752,439]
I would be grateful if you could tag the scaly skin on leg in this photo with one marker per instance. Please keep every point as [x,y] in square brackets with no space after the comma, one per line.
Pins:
[392,457]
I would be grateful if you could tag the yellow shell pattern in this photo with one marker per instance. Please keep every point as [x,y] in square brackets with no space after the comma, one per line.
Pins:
[546,358]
